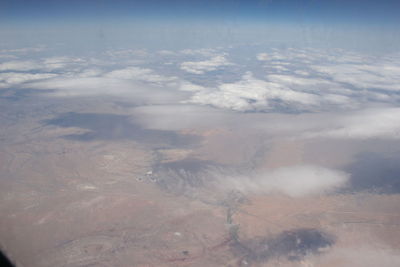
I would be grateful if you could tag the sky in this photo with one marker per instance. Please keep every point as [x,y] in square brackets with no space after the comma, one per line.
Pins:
[199,23]
[284,11]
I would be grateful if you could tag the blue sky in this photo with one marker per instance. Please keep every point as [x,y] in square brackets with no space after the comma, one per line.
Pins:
[282,11]
[178,23]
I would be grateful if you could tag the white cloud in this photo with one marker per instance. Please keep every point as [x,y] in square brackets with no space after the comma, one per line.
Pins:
[369,123]
[138,84]
[329,93]
[54,63]
[207,52]
[356,82]
[15,78]
[200,67]
[295,181]
[315,86]
[75,86]
[166,53]
[190,87]
[379,75]
[23,50]
[139,74]
[135,91]
[301,82]
[262,56]
[302,72]
[45,64]
[90,72]
[252,94]
[124,53]
[373,123]
[19,65]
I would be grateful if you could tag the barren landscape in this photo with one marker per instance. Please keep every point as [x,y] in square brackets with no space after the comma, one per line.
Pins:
[82,185]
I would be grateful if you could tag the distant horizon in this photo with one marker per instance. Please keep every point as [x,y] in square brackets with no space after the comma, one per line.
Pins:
[283,11]
[369,25]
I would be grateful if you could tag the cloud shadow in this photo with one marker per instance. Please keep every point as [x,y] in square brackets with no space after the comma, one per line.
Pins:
[104,126]
[375,173]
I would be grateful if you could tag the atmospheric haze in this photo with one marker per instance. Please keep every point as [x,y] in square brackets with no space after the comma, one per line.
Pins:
[200,133]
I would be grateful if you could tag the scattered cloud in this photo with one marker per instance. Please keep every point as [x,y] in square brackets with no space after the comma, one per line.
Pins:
[12,78]
[45,64]
[293,80]
[124,53]
[23,50]
[251,94]
[19,65]
[294,181]
[166,53]
[379,76]
[206,52]
[140,74]
[200,67]
[262,56]
[54,63]
[191,87]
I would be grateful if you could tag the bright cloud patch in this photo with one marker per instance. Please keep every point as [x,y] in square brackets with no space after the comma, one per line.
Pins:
[200,67]
[45,64]
[295,181]
[307,80]
[19,66]
[135,73]
[11,78]
[370,123]
[255,94]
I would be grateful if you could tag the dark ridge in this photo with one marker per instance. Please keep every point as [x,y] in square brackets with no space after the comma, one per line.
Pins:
[102,126]
[196,179]
[4,261]
[183,176]
[187,165]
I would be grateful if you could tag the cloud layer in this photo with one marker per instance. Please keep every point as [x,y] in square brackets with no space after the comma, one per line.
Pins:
[357,93]
[282,80]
